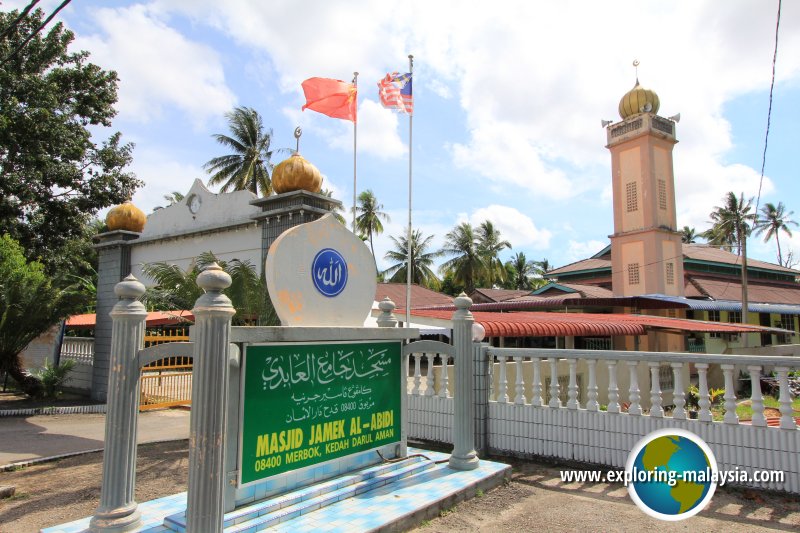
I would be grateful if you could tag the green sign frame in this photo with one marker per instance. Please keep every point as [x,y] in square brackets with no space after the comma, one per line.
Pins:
[303,404]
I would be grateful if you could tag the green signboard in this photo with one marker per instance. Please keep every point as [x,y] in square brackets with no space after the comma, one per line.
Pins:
[304,404]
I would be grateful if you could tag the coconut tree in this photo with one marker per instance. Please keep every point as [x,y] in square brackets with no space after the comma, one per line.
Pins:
[369,216]
[467,263]
[774,219]
[490,244]
[337,208]
[730,223]
[688,235]
[173,198]
[421,260]
[176,288]
[249,166]
[522,271]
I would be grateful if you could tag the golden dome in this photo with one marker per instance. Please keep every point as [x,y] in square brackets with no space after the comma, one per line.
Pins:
[638,100]
[126,217]
[294,174]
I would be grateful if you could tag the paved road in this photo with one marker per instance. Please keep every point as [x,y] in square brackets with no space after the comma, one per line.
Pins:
[34,437]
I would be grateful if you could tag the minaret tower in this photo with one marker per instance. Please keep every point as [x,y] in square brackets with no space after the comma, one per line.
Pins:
[646,254]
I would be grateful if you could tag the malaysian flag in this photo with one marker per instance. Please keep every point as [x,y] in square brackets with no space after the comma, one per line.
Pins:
[395,92]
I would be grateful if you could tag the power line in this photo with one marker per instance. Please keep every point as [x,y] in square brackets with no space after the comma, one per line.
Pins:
[769,110]
[19,18]
[35,32]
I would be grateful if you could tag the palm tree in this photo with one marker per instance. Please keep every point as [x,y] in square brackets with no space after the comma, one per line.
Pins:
[468,263]
[523,270]
[249,166]
[369,216]
[337,208]
[173,198]
[177,289]
[688,235]
[731,223]
[490,245]
[775,219]
[421,260]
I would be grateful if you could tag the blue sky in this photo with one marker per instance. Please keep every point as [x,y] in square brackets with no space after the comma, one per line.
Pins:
[508,102]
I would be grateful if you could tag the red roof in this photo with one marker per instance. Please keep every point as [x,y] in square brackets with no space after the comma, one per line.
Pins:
[542,324]
[154,318]
[420,296]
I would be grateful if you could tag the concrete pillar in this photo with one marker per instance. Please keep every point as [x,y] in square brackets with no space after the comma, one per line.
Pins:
[213,312]
[387,319]
[464,456]
[118,510]
[284,211]
[114,263]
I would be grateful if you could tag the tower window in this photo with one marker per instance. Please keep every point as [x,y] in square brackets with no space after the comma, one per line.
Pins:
[662,194]
[633,273]
[670,273]
[632,202]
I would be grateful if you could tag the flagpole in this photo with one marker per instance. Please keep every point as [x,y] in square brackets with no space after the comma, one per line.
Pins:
[355,146]
[408,235]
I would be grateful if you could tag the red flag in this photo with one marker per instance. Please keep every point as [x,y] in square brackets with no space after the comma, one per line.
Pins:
[334,98]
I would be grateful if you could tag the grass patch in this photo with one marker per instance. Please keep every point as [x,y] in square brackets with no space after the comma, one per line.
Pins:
[17,496]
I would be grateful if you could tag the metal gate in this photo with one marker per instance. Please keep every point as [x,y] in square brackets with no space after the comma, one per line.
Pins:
[167,380]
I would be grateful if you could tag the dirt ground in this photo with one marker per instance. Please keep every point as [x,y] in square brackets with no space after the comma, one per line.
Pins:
[535,499]
[53,493]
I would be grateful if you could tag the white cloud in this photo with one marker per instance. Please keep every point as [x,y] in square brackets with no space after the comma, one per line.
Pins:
[157,65]
[162,175]
[577,250]
[514,226]
[534,79]
[377,133]
[440,88]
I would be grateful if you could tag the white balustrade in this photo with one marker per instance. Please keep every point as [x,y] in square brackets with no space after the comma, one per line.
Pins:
[417,374]
[703,398]
[678,394]
[572,390]
[502,393]
[555,390]
[784,398]
[591,392]
[730,396]
[656,409]
[756,398]
[633,391]
[537,400]
[429,375]
[445,378]
[613,391]
[519,384]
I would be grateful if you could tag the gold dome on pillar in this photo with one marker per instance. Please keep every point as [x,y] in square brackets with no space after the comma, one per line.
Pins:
[126,217]
[294,174]
[638,100]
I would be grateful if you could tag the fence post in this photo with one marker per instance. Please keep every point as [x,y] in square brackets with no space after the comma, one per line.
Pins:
[464,456]
[118,510]
[213,312]
[386,319]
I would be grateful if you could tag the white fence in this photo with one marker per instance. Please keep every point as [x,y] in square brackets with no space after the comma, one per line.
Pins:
[80,350]
[570,404]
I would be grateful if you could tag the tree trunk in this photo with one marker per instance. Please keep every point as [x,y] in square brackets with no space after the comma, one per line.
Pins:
[29,384]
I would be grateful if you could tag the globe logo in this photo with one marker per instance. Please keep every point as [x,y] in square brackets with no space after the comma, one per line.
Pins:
[329,272]
[672,474]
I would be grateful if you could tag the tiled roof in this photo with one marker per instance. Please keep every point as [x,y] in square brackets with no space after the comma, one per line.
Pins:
[496,295]
[542,324]
[420,296]
[700,252]
[583,291]
[154,318]
[723,289]
[585,264]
